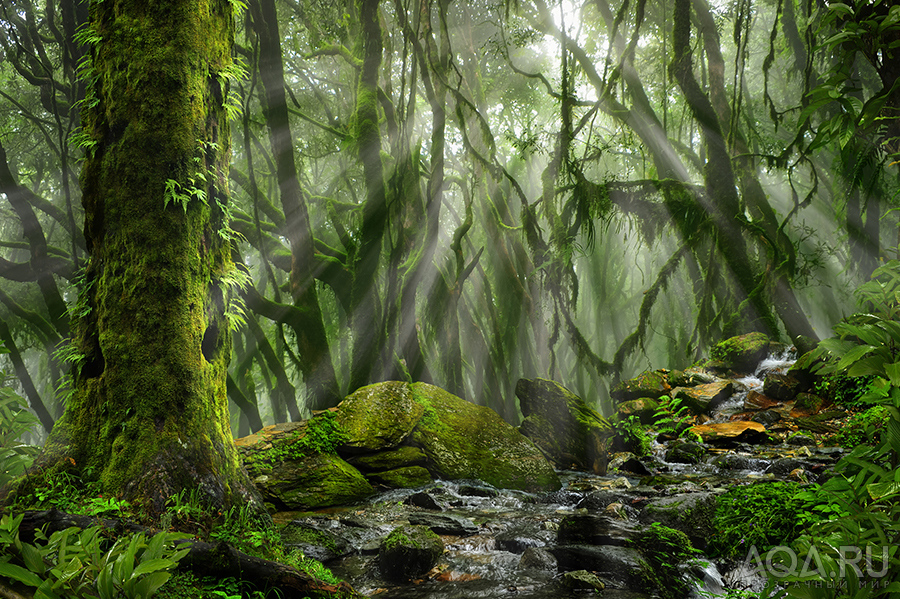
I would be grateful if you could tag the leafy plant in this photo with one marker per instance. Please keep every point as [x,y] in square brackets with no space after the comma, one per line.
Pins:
[15,422]
[664,550]
[81,563]
[633,434]
[673,418]
[864,428]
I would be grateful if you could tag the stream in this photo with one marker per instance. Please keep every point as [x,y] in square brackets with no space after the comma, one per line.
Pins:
[504,543]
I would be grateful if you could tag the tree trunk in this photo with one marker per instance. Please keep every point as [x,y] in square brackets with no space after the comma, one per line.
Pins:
[149,413]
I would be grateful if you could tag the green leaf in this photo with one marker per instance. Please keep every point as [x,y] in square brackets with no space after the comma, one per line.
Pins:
[20,574]
[883,490]
[150,584]
[854,355]
[33,559]
[152,565]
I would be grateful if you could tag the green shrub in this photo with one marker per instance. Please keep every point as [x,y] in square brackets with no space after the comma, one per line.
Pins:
[664,549]
[864,428]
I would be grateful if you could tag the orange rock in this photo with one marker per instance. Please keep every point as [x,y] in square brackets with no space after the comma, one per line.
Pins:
[741,430]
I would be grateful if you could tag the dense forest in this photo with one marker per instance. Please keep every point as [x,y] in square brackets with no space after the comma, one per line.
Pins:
[470,193]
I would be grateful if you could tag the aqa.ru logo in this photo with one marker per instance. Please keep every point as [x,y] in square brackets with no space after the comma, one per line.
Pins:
[783,562]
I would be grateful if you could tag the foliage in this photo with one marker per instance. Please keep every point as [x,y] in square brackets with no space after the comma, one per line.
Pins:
[673,418]
[633,435]
[864,428]
[76,563]
[15,422]
[74,493]
[665,549]
[761,515]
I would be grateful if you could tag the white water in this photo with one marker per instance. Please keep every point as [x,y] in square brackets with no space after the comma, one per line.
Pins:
[775,363]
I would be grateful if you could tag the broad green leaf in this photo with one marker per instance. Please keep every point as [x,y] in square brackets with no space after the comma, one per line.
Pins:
[33,559]
[152,565]
[893,372]
[151,583]
[883,490]
[20,574]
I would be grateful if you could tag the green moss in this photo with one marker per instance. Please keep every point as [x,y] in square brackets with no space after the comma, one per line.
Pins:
[399,538]
[664,549]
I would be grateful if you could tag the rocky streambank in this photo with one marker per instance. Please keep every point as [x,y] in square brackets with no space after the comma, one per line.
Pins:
[407,491]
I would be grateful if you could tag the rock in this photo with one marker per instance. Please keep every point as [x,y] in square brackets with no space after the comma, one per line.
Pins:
[582,580]
[523,537]
[538,558]
[801,440]
[766,417]
[652,384]
[599,500]
[423,500]
[445,524]
[591,529]
[408,551]
[686,452]
[398,457]
[806,404]
[757,401]
[783,387]
[408,477]
[477,491]
[644,409]
[619,565]
[730,433]
[628,462]
[304,483]
[742,353]
[782,467]
[314,542]
[701,399]
[466,441]
[690,378]
[562,425]
[378,417]
[691,513]
[731,461]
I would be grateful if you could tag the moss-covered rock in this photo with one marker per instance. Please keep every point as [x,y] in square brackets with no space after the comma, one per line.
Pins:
[378,417]
[652,383]
[742,353]
[562,425]
[691,513]
[311,482]
[401,478]
[409,551]
[398,457]
[644,409]
[703,398]
[463,440]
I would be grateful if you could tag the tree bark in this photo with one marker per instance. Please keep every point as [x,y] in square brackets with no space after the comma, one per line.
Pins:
[149,412]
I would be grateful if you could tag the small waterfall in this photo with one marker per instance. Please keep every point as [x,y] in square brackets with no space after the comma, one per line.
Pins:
[777,362]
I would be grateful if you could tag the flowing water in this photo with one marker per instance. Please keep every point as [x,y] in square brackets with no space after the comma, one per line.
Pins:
[495,557]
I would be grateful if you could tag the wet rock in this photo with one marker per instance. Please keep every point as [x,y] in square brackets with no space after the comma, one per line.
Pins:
[398,457]
[408,477]
[562,497]
[766,417]
[757,401]
[806,404]
[477,491]
[691,513]
[466,441]
[538,558]
[591,529]
[742,353]
[445,524]
[314,542]
[782,387]
[628,462]
[521,538]
[581,580]
[597,501]
[378,417]
[644,409]
[704,398]
[731,461]
[730,433]
[621,566]
[562,425]
[309,482]
[652,384]
[686,452]
[408,551]
[423,500]
[801,440]
[783,467]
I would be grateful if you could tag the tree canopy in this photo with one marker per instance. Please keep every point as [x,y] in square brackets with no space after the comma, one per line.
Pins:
[470,193]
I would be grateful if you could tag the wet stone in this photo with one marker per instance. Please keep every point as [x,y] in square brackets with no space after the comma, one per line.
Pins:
[731,461]
[801,440]
[519,539]
[620,566]
[477,491]
[591,529]
[538,558]
[582,580]
[686,453]
[445,524]
[423,500]
[408,551]
[766,417]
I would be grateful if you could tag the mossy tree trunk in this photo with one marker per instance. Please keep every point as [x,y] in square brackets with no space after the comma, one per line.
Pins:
[149,413]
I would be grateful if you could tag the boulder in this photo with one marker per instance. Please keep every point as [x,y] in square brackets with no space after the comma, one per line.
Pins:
[445,524]
[466,441]
[757,401]
[581,580]
[703,398]
[731,433]
[314,542]
[378,417]
[538,558]
[407,477]
[644,409]
[591,529]
[691,513]
[806,404]
[397,457]
[523,537]
[686,452]
[408,551]
[783,387]
[652,383]
[562,425]
[690,377]
[306,483]
[621,566]
[742,353]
